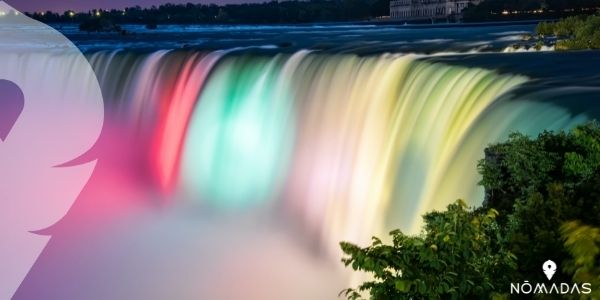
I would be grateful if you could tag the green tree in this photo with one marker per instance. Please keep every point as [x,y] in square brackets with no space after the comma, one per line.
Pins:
[489,10]
[534,185]
[573,33]
[460,254]
[538,184]
[583,244]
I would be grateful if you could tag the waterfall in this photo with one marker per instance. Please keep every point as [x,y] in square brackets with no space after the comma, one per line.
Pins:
[347,146]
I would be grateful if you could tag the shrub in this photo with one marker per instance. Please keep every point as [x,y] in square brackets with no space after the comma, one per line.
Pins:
[583,244]
[540,183]
[573,33]
[460,254]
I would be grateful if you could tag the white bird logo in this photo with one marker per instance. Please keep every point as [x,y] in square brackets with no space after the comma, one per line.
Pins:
[51,112]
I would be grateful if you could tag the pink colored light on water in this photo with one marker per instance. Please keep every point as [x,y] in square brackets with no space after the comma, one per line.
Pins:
[174,117]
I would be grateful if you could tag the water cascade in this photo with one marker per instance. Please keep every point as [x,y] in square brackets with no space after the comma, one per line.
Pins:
[348,146]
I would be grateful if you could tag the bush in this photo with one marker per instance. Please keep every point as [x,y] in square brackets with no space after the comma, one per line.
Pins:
[534,189]
[461,254]
[538,184]
[521,166]
[583,244]
[573,33]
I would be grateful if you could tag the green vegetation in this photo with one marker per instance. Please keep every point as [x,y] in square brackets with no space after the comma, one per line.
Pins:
[539,184]
[573,33]
[542,190]
[461,254]
[583,243]
[506,10]
[273,12]
[311,11]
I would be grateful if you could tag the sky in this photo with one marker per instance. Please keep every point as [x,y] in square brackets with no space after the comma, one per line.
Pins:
[85,5]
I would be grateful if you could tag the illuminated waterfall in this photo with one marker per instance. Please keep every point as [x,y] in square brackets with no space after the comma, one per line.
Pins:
[347,146]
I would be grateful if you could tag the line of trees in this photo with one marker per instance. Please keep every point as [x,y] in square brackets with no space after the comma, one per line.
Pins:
[273,12]
[506,10]
[311,11]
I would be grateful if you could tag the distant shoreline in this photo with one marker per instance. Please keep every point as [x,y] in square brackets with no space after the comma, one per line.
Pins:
[434,25]
[353,23]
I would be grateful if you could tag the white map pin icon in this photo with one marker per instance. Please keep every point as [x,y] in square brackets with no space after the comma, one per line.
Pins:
[60,120]
[549,268]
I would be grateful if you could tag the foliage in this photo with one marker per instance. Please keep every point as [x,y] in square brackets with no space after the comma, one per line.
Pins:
[540,183]
[583,243]
[573,33]
[460,254]
[533,235]
[273,12]
[536,187]
[504,10]
[522,166]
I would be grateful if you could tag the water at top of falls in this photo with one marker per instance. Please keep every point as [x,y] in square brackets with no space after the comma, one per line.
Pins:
[471,46]
[332,38]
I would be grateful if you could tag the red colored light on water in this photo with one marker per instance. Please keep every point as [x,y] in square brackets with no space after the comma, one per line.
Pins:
[173,122]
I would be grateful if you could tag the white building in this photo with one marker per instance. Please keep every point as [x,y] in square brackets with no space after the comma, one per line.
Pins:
[428,9]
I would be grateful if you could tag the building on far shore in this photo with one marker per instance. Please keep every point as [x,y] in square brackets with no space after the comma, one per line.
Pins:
[407,10]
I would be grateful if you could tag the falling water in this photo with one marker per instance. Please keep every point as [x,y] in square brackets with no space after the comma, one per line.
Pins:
[347,146]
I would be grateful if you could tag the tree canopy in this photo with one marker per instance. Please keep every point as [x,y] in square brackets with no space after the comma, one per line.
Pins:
[539,194]
[583,243]
[573,33]
[273,12]
[505,10]
[460,254]
[540,184]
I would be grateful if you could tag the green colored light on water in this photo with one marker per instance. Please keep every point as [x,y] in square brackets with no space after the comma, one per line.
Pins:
[240,134]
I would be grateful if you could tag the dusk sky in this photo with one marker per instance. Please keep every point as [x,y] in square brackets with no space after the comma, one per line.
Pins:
[85,5]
